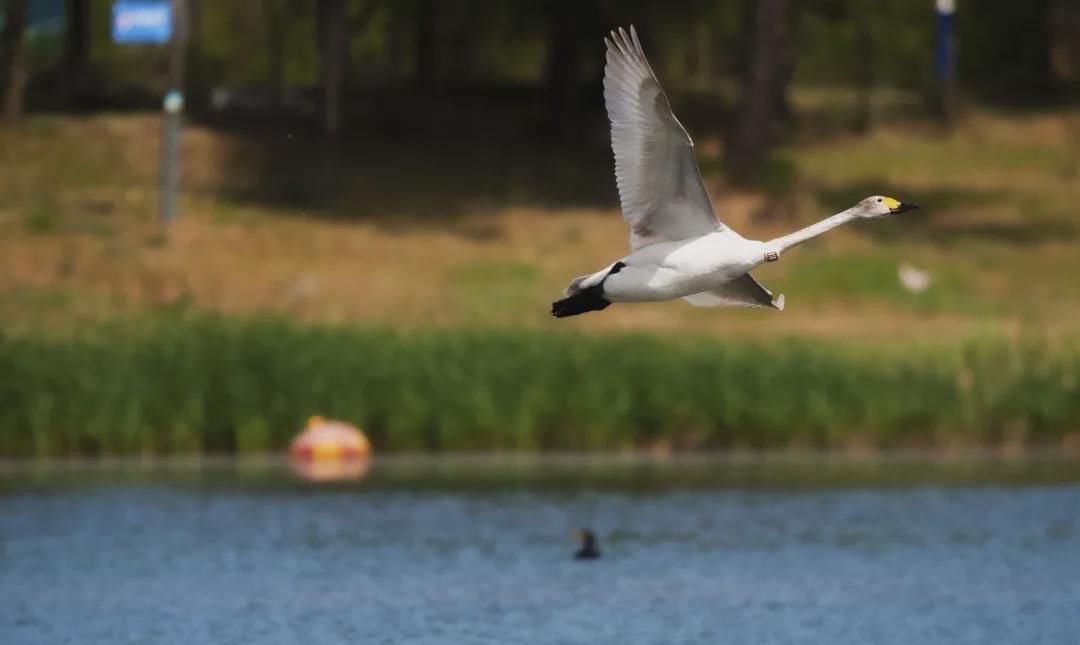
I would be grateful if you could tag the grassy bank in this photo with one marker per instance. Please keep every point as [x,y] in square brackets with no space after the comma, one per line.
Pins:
[190,383]
[283,225]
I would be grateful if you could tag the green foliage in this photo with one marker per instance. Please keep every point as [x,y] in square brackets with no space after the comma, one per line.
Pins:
[481,288]
[874,278]
[187,384]
[1004,46]
[837,37]
[1004,49]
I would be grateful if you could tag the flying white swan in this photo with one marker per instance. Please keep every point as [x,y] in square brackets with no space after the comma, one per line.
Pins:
[678,248]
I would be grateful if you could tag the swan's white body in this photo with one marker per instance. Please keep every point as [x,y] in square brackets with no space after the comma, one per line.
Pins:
[678,247]
[670,270]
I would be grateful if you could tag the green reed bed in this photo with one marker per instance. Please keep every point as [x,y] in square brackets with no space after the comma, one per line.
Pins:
[188,384]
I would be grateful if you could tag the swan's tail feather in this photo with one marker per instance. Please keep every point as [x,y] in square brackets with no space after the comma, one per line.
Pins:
[585,293]
[582,301]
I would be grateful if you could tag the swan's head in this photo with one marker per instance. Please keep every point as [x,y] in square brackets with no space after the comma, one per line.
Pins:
[880,206]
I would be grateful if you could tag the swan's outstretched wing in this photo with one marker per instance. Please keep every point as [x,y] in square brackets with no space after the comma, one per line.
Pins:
[660,187]
[741,292]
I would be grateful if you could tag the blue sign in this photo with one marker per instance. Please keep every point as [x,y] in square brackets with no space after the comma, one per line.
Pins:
[142,22]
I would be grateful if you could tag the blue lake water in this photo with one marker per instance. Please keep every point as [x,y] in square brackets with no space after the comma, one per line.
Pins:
[234,557]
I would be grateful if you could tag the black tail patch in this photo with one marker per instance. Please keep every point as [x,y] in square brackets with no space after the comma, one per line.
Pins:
[588,299]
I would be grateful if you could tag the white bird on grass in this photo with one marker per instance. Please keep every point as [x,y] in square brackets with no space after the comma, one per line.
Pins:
[678,248]
[913,279]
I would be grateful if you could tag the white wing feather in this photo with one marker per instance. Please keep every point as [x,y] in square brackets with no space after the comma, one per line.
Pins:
[741,292]
[663,197]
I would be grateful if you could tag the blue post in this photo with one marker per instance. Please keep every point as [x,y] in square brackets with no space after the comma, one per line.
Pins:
[945,56]
[944,45]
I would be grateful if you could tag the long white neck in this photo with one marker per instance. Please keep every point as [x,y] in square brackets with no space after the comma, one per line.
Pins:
[784,243]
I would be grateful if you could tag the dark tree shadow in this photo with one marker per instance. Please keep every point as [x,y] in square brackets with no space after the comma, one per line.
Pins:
[411,157]
[419,156]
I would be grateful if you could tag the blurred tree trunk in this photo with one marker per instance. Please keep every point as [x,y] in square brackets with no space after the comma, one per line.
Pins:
[425,44]
[178,47]
[197,77]
[865,64]
[1063,22]
[13,63]
[702,55]
[275,16]
[785,65]
[766,79]
[333,40]
[563,67]
[76,48]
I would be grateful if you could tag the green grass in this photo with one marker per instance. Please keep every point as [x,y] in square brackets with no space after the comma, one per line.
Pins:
[482,288]
[183,383]
[873,278]
[501,234]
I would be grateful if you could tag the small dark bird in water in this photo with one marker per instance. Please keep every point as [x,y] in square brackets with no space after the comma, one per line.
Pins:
[588,550]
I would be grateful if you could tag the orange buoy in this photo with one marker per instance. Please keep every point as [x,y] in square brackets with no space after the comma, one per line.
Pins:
[329,450]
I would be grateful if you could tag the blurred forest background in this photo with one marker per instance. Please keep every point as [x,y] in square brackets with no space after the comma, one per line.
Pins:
[416,164]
